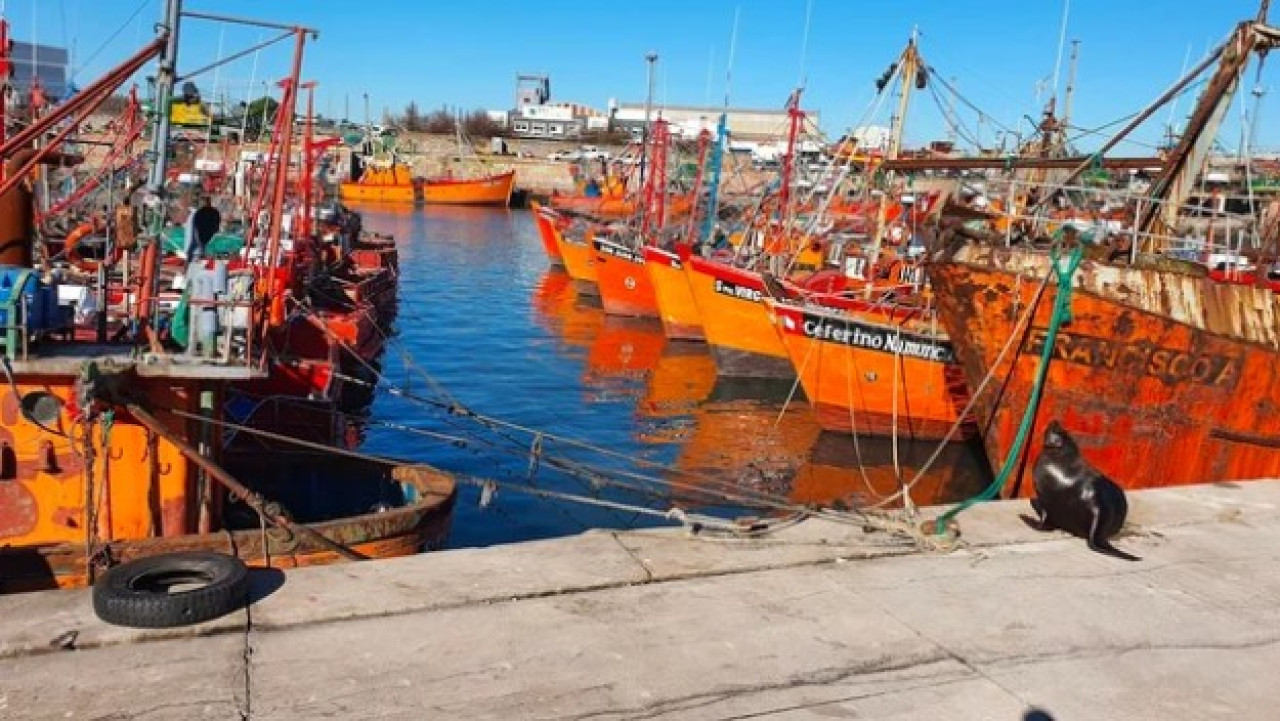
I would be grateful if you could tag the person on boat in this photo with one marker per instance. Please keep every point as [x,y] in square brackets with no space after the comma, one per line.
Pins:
[592,188]
[206,224]
[126,225]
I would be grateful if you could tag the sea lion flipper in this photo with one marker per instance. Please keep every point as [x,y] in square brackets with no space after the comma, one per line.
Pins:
[1099,544]
[1041,515]
[1105,547]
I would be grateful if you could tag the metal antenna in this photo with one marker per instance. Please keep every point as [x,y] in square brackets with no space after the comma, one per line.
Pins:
[804,43]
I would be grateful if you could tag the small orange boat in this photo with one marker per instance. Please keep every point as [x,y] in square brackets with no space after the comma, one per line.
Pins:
[676,308]
[845,361]
[419,521]
[546,220]
[486,190]
[391,184]
[579,258]
[622,279]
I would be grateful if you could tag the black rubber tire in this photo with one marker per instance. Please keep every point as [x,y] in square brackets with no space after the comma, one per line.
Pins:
[133,593]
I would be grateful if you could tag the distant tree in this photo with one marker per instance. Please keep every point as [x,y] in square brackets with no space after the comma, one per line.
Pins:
[412,118]
[260,116]
[439,121]
[114,105]
[478,124]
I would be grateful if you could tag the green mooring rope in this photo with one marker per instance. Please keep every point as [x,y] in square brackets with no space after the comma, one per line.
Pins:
[1061,314]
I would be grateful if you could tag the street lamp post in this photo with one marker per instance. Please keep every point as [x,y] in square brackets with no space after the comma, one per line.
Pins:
[651,58]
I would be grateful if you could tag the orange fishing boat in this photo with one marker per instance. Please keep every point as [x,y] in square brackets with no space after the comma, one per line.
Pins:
[419,522]
[579,258]
[392,183]
[546,220]
[617,206]
[622,280]
[677,310]
[485,190]
[110,440]
[730,302]
[886,374]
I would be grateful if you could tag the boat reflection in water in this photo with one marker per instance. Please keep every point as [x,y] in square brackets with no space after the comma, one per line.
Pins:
[743,434]
[560,311]
[622,356]
[861,474]
[681,381]
[726,435]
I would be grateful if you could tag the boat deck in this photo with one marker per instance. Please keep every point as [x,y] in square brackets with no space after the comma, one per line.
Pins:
[67,359]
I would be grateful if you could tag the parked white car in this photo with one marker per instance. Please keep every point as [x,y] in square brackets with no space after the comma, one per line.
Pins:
[586,152]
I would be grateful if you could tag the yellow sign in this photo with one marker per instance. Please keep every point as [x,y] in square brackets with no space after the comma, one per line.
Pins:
[181,113]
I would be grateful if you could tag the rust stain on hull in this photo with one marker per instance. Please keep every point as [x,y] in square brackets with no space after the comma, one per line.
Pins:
[1165,378]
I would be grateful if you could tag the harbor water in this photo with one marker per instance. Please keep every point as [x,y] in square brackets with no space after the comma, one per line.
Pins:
[497,370]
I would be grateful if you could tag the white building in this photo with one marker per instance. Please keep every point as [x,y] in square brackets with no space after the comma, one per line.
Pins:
[746,125]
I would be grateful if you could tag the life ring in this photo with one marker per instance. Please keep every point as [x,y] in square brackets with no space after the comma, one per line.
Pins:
[69,248]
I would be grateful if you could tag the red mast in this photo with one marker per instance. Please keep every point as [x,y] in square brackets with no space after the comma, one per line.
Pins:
[304,227]
[796,115]
[5,68]
[655,188]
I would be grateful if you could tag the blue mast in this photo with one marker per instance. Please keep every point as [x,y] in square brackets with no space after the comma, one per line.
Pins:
[713,197]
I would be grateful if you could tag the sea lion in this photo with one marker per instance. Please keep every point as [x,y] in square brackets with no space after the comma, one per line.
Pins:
[1074,496]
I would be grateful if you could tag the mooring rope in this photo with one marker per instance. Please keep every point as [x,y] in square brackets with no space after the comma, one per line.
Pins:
[1061,314]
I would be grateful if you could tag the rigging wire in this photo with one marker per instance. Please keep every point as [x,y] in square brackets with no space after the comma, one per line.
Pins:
[94,55]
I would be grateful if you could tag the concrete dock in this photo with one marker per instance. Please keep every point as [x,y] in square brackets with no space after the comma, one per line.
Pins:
[821,620]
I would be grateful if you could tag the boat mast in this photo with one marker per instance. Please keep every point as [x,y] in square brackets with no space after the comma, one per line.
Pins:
[655,189]
[1068,97]
[713,192]
[166,74]
[1187,159]
[5,69]
[796,117]
[650,58]
[704,141]
[911,67]
[722,138]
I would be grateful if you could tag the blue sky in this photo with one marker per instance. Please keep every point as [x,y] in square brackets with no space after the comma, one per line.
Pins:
[999,52]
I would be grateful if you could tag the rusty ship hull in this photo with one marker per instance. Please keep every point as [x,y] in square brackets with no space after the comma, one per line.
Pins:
[1164,377]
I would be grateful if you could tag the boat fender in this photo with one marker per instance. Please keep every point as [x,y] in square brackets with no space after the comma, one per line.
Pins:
[142,593]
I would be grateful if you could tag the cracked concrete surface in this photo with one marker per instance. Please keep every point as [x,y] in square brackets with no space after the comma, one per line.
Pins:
[822,621]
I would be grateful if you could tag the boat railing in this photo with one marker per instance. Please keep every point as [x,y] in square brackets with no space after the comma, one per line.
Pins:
[1224,232]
